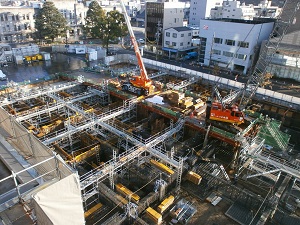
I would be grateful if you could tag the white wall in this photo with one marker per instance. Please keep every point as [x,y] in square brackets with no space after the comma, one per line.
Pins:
[200,9]
[173,14]
[186,40]
[254,34]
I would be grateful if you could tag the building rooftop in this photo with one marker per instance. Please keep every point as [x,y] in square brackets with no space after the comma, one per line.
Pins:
[243,21]
[179,29]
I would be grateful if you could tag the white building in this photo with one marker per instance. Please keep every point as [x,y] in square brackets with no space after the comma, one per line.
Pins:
[231,44]
[264,9]
[74,13]
[177,40]
[17,23]
[200,9]
[235,10]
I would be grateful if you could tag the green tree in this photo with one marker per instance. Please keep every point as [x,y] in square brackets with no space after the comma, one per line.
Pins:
[95,21]
[116,26]
[50,23]
[102,25]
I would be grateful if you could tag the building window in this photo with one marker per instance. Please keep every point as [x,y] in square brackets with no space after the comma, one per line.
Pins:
[167,43]
[243,44]
[241,56]
[216,52]
[168,34]
[181,44]
[228,54]
[173,43]
[174,35]
[229,42]
[182,35]
[189,34]
[218,40]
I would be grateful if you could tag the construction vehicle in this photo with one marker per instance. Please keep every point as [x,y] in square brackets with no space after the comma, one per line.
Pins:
[140,85]
[226,109]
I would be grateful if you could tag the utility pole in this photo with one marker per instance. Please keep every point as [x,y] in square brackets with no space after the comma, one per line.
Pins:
[157,37]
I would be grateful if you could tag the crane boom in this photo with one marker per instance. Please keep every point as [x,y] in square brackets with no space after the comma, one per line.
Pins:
[143,72]
[282,24]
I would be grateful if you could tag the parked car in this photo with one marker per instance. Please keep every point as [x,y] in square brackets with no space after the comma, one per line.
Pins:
[141,41]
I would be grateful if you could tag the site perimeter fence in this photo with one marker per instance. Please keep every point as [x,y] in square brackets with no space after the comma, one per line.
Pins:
[261,94]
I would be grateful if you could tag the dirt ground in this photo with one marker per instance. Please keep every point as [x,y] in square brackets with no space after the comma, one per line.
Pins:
[207,214]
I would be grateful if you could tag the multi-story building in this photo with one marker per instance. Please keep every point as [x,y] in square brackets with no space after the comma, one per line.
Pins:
[232,44]
[177,41]
[161,16]
[74,13]
[16,23]
[236,10]
[200,9]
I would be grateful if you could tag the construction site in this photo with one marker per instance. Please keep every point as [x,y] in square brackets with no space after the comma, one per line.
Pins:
[156,144]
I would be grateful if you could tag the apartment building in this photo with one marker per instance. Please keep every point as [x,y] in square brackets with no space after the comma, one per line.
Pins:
[230,43]
[177,41]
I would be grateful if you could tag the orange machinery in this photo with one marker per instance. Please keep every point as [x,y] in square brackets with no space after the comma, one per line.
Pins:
[224,109]
[230,115]
[141,85]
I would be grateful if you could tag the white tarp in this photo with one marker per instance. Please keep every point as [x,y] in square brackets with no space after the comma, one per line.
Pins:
[60,203]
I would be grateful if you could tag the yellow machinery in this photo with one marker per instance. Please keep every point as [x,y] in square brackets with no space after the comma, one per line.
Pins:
[33,58]
[92,210]
[165,204]
[153,215]
[39,57]
[161,166]
[126,192]
[27,58]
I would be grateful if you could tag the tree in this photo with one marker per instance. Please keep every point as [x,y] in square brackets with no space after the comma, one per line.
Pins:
[116,26]
[102,25]
[50,23]
[95,21]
